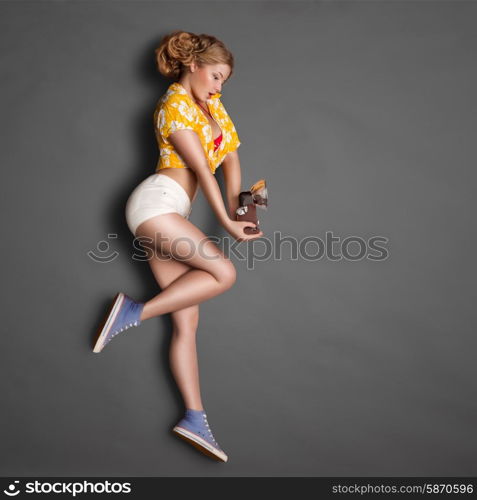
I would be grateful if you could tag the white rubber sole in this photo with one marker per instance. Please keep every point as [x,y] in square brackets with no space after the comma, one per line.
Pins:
[200,444]
[109,322]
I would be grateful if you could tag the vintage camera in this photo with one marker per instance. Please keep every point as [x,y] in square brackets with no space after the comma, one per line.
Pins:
[257,196]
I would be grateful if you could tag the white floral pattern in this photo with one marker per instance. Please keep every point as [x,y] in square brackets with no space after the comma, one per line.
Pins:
[177,111]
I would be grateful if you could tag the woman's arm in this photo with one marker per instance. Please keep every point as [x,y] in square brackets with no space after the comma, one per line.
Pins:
[233,182]
[188,146]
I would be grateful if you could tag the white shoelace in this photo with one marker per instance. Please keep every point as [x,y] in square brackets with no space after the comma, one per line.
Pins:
[125,327]
[208,428]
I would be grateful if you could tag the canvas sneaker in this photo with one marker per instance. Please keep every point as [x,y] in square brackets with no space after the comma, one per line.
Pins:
[124,313]
[195,429]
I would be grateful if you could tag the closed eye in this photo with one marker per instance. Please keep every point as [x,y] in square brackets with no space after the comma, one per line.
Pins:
[217,78]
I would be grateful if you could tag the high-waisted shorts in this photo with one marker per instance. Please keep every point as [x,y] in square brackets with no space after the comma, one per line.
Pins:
[157,194]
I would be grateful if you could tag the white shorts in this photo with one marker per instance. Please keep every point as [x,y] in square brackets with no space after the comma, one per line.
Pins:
[157,194]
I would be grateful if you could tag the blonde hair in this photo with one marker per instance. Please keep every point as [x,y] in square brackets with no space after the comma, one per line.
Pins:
[180,48]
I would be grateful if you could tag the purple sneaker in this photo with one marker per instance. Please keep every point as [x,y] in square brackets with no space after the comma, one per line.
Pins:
[123,314]
[195,429]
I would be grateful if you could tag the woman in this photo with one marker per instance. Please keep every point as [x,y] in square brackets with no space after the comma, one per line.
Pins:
[195,136]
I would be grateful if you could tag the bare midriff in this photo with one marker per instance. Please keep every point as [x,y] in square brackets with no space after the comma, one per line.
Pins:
[186,177]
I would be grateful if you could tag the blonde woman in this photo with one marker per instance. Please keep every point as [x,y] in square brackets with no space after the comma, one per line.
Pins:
[195,136]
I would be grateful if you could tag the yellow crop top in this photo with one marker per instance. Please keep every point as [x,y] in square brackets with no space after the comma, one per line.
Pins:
[176,110]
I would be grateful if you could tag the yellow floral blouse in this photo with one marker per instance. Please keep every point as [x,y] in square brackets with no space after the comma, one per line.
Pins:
[176,110]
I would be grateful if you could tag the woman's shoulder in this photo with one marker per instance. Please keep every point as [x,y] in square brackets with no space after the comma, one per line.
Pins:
[174,96]
[174,111]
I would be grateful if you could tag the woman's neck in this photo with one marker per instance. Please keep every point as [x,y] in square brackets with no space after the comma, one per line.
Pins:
[188,89]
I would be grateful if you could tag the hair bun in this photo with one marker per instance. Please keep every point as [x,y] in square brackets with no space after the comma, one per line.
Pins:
[180,49]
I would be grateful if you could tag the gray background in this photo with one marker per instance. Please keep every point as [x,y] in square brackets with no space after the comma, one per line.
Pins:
[361,117]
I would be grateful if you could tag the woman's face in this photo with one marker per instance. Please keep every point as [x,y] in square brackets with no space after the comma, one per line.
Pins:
[208,79]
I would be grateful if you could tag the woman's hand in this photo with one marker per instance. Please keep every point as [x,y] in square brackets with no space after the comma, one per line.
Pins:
[236,229]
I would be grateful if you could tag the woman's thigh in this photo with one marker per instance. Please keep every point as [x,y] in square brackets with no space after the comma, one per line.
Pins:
[171,235]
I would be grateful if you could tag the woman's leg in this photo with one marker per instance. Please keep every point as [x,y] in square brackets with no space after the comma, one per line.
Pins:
[211,271]
[183,351]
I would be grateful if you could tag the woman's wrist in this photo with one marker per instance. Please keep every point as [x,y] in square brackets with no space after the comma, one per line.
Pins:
[226,223]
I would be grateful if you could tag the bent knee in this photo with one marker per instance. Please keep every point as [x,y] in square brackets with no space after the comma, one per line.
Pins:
[228,275]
